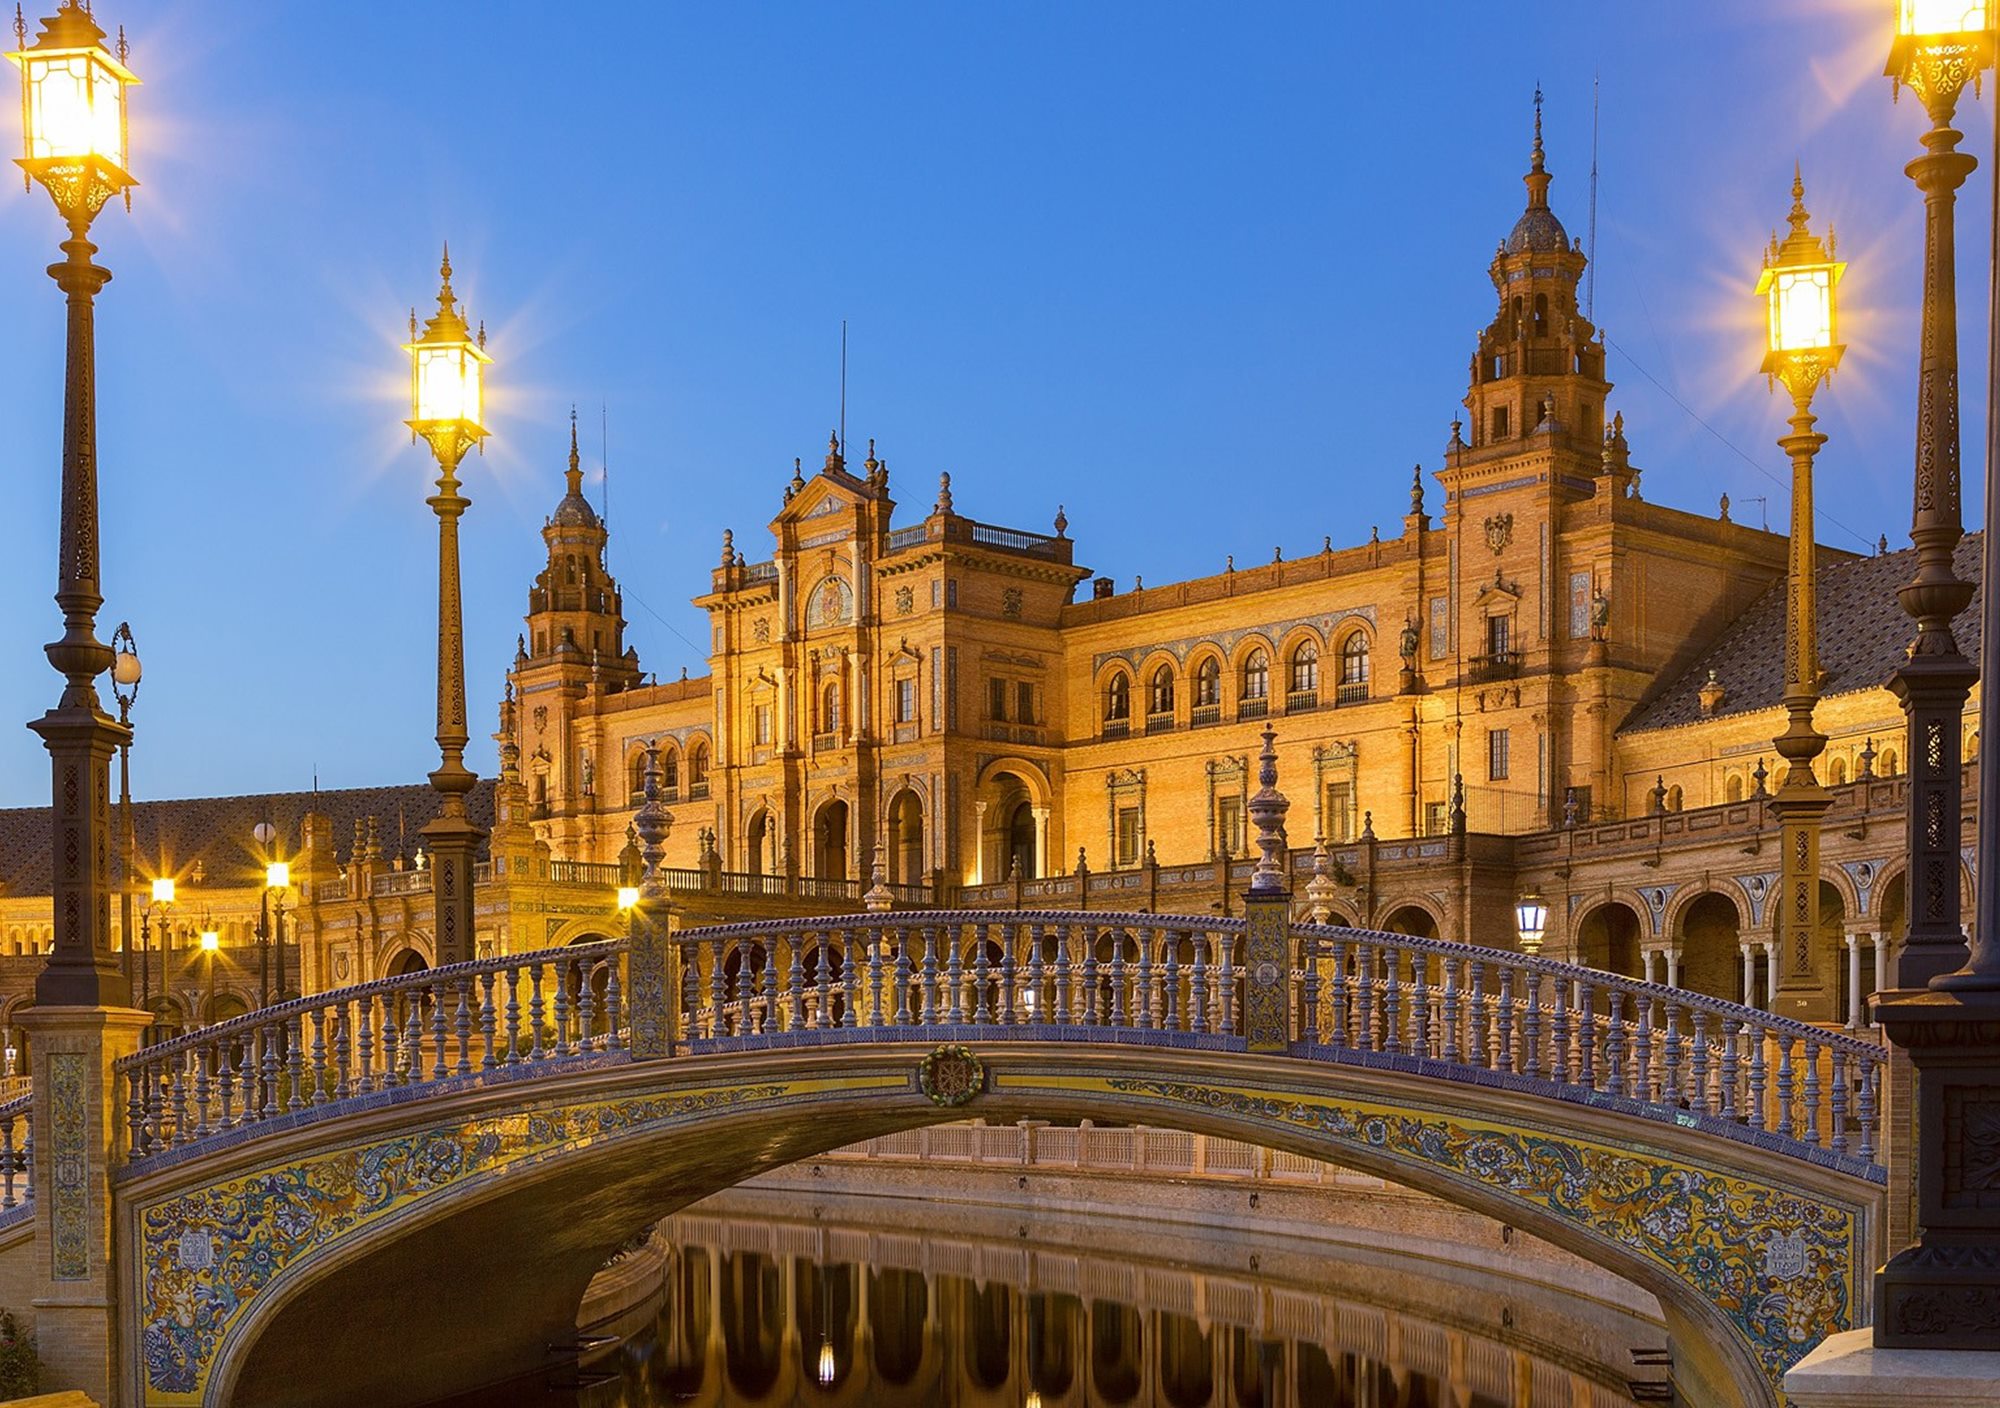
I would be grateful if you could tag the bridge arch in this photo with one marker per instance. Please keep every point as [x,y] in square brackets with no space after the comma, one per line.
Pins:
[494,1223]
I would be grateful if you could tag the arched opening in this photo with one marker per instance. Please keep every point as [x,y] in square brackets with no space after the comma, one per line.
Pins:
[1186,1365]
[1893,912]
[826,1310]
[1833,946]
[1836,773]
[1413,920]
[752,1312]
[829,708]
[1711,959]
[406,962]
[1021,840]
[1054,1325]
[1732,788]
[1160,693]
[906,839]
[830,841]
[1208,683]
[1608,939]
[989,1335]
[1302,689]
[760,843]
[1118,699]
[1674,799]
[898,1303]
[1256,677]
[1117,1352]
[222,1007]
[635,777]
[1354,668]
[698,771]
[1890,763]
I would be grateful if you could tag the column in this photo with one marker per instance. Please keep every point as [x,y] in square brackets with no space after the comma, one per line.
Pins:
[1673,956]
[979,843]
[1041,842]
[1646,957]
[1770,975]
[1853,980]
[1749,975]
[1881,963]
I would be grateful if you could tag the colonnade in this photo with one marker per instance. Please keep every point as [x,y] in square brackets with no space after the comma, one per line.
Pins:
[1662,964]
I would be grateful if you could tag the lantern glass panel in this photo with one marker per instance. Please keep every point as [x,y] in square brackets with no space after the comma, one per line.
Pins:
[277,875]
[1801,308]
[163,890]
[1929,19]
[75,103]
[447,383]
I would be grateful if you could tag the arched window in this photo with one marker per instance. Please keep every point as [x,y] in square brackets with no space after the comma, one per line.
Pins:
[1160,696]
[1674,798]
[1888,762]
[1208,684]
[1541,315]
[1305,669]
[1732,790]
[829,707]
[1354,667]
[1118,699]
[670,771]
[698,771]
[1836,772]
[1257,676]
[635,776]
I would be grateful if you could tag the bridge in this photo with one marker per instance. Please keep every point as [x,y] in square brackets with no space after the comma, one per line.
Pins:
[437,1163]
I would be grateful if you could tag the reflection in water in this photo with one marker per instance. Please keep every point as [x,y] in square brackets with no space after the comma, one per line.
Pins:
[752,1312]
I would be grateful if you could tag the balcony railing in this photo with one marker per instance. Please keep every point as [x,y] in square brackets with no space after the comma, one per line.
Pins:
[1499,665]
[1160,723]
[584,872]
[1355,693]
[825,742]
[698,791]
[1301,701]
[1116,728]
[1202,715]
[1253,708]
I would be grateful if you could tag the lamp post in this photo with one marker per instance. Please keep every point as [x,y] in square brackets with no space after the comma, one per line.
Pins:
[1940,46]
[1798,286]
[277,880]
[211,943]
[1531,920]
[125,674]
[163,905]
[446,370]
[74,136]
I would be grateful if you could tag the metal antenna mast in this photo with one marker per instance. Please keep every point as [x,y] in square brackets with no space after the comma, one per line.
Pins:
[1590,274]
[843,387]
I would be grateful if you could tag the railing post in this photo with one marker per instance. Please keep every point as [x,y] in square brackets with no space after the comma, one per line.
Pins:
[652,973]
[78,1126]
[1268,1005]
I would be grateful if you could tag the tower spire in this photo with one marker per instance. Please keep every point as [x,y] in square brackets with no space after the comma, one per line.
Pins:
[575,474]
[1538,177]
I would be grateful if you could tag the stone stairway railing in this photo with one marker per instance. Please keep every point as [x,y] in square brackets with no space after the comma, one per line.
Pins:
[1439,1010]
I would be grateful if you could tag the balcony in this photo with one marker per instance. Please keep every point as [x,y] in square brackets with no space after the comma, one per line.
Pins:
[1160,723]
[825,742]
[1202,715]
[698,791]
[1116,728]
[1301,701]
[1350,694]
[1253,708]
[1500,665]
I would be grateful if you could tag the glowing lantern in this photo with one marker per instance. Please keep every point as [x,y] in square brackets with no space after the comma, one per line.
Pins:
[1797,284]
[447,369]
[73,111]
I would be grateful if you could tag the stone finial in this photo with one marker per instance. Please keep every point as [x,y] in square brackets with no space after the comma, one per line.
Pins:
[652,822]
[871,464]
[1368,826]
[1882,546]
[1151,859]
[798,478]
[631,864]
[1457,810]
[1711,694]
[1267,810]
[1458,435]
[878,900]
[1320,890]
[1658,796]
[1723,515]
[374,851]
[943,504]
[1759,776]
[520,650]
[1229,563]
[1375,535]
[1570,808]
[1062,522]
[1082,862]
[1417,491]
[1867,760]
[728,548]
[834,459]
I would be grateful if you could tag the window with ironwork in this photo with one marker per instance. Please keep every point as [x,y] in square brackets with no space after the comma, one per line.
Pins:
[1496,755]
[1305,668]
[1160,695]
[1257,676]
[996,700]
[906,700]
[1118,699]
[1024,702]
[1208,683]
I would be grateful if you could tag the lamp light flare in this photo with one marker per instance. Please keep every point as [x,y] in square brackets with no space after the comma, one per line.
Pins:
[628,896]
[1934,19]
[278,875]
[826,1365]
[163,890]
[73,122]
[210,941]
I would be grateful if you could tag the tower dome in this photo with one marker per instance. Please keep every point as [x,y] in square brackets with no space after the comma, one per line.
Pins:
[1538,230]
[574,511]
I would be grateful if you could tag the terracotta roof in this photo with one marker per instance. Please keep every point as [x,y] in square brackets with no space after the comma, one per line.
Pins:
[172,838]
[1863,636]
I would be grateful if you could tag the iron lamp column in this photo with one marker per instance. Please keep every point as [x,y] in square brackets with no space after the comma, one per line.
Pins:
[73,125]
[125,674]
[446,369]
[1936,63]
[277,879]
[1797,286]
[211,942]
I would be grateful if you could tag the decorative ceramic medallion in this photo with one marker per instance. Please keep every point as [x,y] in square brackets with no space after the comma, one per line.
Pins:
[950,1076]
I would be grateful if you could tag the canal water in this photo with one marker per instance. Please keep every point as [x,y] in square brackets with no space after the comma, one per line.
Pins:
[772,1298]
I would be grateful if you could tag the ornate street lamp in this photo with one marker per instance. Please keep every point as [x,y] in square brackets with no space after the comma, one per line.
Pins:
[1940,46]
[125,673]
[1803,347]
[447,369]
[163,906]
[1531,920]
[73,132]
[211,943]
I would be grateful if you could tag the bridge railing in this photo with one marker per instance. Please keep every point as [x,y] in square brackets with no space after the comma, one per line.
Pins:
[525,1010]
[17,1157]
[1588,1031]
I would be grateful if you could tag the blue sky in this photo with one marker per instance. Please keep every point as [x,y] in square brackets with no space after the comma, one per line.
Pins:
[1208,275]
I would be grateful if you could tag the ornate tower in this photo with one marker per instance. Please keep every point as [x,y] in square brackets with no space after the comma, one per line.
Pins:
[574,607]
[1539,363]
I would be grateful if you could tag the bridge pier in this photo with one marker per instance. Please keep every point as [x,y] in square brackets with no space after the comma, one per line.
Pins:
[77,1125]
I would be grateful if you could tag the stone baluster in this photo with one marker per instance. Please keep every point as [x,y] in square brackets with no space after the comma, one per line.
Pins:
[1087,1003]
[1309,993]
[902,976]
[1198,1005]
[1642,1049]
[267,1040]
[294,1028]
[1225,985]
[1583,1000]
[876,1015]
[1698,1063]
[794,1004]
[1559,1022]
[1731,1034]
[1037,1011]
[1503,1036]
[536,1009]
[564,968]
[1809,1122]
[1837,1115]
[1614,1042]
[1118,1009]
[136,1140]
[204,1060]
[1171,1004]
[823,966]
[586,1005]
[1754,1111]
[440,1058]
[767,1016]
[1145,1013]
[1392,1000]
[1475,998]
[7,1198]
[1784,1091]
[1531,1025]
[614,992]
[1336,1034]
[1061,1007]
[717,990]
[1865,1114]
[1364,996]
[1670,1056]
[413,1045]
[1420,1004]
[461,1023]
[343,1051]
[1451,1010]
[955,972]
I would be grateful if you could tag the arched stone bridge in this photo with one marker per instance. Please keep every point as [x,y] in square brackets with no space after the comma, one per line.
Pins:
[438,1163]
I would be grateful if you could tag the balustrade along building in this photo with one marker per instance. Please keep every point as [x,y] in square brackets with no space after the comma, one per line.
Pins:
[1546,682]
